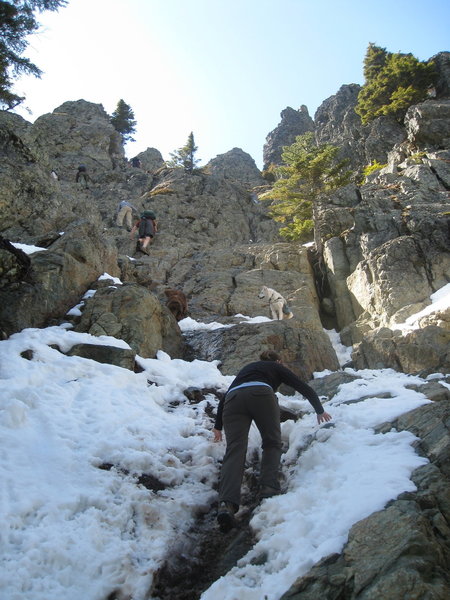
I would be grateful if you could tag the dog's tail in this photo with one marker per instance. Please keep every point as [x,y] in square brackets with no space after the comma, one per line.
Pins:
[287,312]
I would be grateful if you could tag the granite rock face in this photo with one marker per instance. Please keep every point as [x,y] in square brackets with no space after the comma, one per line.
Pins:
[386,249]
[215,243]
[293,123]
[236,165]
[78,133]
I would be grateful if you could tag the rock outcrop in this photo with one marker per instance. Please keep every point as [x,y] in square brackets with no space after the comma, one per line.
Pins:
[402,551]
[386,248]
[236,165]
[337,123]
[78,133]
[151,160]
[132,313]
[293,123]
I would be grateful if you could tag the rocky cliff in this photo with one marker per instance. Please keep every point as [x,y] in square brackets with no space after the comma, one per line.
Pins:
[383,250]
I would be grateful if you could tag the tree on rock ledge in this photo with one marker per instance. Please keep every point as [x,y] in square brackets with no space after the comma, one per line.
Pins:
[123,121]
[393,82]
[309,171]
[185,156]
[17,21]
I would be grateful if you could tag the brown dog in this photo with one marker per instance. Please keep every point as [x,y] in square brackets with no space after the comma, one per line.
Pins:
[177,303]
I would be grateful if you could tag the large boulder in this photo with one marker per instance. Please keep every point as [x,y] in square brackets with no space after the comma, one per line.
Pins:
[151,160]
[302,350]
[394,276]
[428,124]
[425,350]
[132,313]
[56,279]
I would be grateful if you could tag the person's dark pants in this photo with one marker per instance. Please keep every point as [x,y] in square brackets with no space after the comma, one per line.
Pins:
[253,403]
[146,229]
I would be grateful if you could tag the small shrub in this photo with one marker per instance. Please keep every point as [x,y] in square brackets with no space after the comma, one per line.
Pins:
[369,169]
[298,230]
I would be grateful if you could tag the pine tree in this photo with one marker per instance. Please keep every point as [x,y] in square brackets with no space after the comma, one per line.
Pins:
[393,83]
[374,61]
[308,172]
[17,21]
[185,156]
[123,121]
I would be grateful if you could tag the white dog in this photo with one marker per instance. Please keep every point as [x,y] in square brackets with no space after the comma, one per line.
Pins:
[277,304]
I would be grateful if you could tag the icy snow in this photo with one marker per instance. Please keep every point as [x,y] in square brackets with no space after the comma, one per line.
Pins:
[72,530]
[28,248]
[440,301]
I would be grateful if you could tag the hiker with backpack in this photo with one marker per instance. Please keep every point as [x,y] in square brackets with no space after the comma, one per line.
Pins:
[147,228]
[251,397]
[82,175]
[125,212]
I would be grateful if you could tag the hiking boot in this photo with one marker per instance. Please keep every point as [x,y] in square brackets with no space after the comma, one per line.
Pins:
[225,516]
[267,492]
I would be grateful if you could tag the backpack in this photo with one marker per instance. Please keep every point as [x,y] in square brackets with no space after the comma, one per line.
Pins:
[148,214]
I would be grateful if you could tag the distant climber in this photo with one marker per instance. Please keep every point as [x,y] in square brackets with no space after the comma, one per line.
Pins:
[177,303]
[82,174]
[147,228]
[125,212]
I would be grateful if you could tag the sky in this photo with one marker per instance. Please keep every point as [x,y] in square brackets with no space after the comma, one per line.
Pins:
[223,69]
[72,530]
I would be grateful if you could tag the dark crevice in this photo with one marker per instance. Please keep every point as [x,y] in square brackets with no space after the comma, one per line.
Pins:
[439,178]
[322,285]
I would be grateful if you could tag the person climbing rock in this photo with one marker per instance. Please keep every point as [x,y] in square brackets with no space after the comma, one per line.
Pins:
[82,174]
[125,212]
[147,227]
[251,397]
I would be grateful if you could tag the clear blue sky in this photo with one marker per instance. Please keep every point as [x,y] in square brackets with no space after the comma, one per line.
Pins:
[223,69]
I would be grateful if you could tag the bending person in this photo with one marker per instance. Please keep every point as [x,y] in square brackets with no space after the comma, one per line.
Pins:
[251,397]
